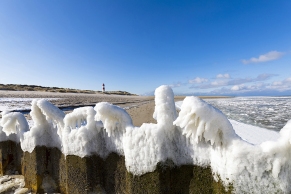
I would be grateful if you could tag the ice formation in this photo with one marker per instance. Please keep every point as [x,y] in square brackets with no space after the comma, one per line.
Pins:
[252,134]
[144,147]
[79,135]
[201,121]
[48,121]
[13,126]
[200,134]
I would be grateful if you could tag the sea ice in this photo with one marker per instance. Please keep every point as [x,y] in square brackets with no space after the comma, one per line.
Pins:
[252,134]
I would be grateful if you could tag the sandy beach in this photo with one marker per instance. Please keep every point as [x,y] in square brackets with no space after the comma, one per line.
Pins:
[140,108]
[74,100]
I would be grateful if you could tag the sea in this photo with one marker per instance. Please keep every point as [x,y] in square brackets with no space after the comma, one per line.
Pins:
[266,112]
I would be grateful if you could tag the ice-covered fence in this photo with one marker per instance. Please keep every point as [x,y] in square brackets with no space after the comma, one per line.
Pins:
[200,135]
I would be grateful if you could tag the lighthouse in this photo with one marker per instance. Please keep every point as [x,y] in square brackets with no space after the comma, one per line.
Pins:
[103,87]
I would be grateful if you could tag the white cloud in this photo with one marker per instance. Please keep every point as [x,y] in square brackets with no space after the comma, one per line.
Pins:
[250,87]
[281,85]
[225,76]
[264,76]
[242,88]
[175,85]
[235,88]
[219,83]
[277,83]
[233,81]
[198,80]
[272,55]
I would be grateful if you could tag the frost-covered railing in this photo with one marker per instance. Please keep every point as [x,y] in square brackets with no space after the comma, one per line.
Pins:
[200,135]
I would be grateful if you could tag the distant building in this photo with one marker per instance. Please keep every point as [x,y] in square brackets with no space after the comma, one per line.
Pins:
[103,87]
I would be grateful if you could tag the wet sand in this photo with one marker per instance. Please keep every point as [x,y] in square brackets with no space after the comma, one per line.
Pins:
[142,114]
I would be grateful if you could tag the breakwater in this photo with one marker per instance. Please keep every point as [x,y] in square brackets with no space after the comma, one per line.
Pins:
[99,150]
[48,170]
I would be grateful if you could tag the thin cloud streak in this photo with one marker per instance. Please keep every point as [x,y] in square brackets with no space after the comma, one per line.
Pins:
[223,76]
[175,85]
[231,82]
[270,56]
[283,87]
[198,80]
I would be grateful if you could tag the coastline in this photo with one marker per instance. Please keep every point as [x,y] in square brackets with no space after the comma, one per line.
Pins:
[140,108]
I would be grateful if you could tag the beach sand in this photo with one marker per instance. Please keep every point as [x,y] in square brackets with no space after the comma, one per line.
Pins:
[142,114]
[75,100]
[140,108]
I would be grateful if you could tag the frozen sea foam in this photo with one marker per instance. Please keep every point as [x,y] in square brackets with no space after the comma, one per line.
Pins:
[200,135]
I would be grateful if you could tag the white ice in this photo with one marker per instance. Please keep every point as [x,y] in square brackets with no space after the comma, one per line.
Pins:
[252,134]
[266,112]
[13,126]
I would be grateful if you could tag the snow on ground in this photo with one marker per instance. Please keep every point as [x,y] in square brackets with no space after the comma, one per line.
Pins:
[253,134]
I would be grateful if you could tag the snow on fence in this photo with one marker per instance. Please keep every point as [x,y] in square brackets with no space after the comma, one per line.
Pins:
[98,149]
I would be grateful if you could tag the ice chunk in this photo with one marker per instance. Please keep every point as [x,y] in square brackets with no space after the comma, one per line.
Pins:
[80,117]
[14,123]
[280,156]
[114,118]
[165,110]
[200,120]
[52,113]
[81,133]
[144,147]
[48,122]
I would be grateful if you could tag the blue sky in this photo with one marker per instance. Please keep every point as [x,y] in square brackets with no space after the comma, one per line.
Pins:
[197,47]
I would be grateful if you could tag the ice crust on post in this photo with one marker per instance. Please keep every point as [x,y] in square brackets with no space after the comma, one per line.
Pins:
[48,121]
[202,121]
[199,135]
[13,126]
[80,134]
[144,147]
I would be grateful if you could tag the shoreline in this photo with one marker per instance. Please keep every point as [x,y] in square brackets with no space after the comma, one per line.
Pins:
[75,100]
